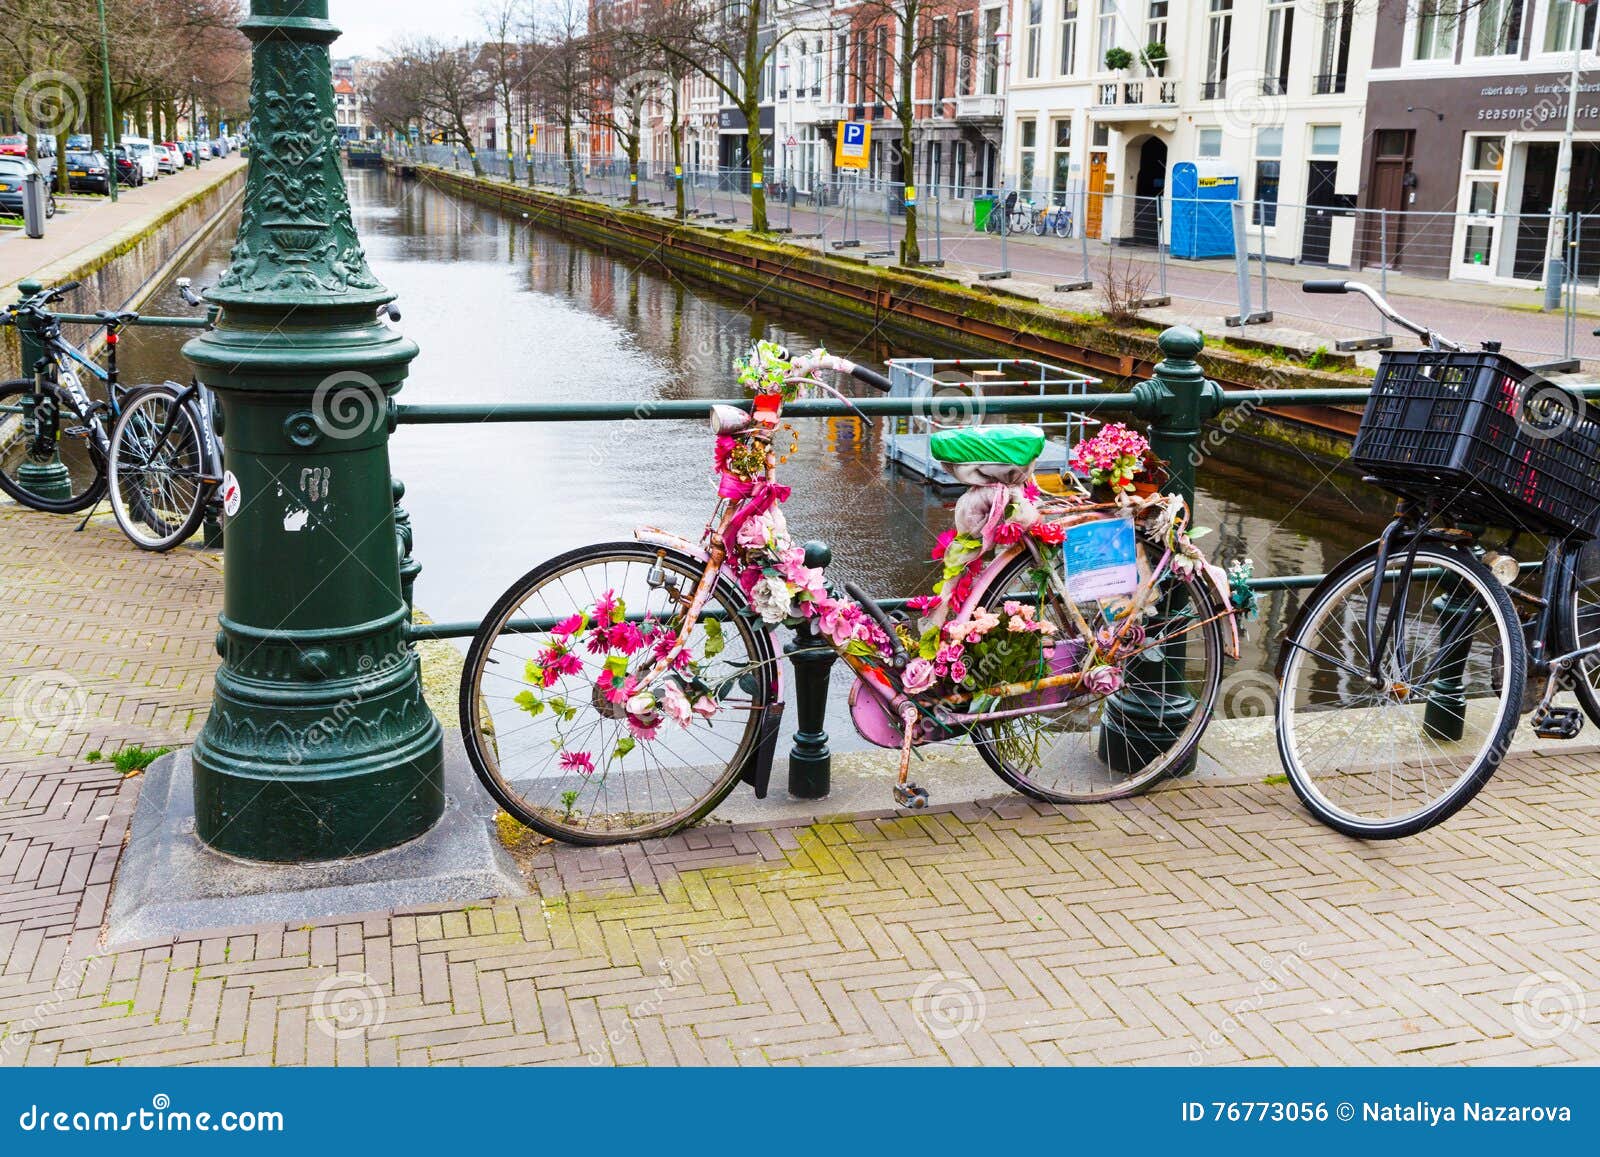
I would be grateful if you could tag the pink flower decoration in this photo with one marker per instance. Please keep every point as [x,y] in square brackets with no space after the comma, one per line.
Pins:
[706,706]
[643,731]
[1102,680]
[676,704]
[580,761]
[958,671]
[567,626]
[626,637]
[919,676]
[943,544]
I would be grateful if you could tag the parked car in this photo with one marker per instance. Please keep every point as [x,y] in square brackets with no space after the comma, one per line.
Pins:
[80,143]
[143,151]
[15,145]
[167,160]
[129,172]
[13,172]
[188,150]
[87,172]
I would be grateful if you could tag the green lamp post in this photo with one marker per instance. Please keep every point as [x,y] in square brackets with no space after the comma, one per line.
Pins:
[319,744]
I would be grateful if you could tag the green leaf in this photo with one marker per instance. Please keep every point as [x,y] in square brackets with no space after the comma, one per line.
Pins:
[619,612]
[561,708]
[533,673]
[529,702]
[624,745]
[617,665]
[715,641]
[1198,532]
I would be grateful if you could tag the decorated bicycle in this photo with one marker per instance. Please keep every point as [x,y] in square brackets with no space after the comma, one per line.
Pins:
[622,690]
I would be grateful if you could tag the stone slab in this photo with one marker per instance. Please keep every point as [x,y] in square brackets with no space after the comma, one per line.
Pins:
[169,883]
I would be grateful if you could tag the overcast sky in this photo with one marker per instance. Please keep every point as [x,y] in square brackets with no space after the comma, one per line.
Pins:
[369,26]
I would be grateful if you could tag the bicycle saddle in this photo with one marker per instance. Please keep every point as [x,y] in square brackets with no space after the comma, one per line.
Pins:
[983,455]
[118,317]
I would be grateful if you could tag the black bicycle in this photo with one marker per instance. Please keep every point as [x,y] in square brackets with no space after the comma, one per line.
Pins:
[154,447]
[1402,678]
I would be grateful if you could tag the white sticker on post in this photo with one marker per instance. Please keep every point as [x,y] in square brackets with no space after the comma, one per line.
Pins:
[231,495]
[1100,560]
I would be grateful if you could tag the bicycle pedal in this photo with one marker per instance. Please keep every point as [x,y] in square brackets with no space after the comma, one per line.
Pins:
[1557,722]
[910,796]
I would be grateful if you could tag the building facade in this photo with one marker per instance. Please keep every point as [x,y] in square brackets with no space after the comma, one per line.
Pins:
[1268,92]
[1465,120]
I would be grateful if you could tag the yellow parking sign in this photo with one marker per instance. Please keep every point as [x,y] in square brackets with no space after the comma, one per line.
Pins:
[852,145]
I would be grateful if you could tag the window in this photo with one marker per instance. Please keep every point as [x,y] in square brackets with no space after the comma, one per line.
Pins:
[1324,140]
[881,72]
[1269,154]
[1481,194]
[991,51]
[1106,38]
[1061,161]
[941,65]
[1029,132]
[964,53]
[841,67]
[958,168]
[1101,137]
[1069,37]
[861,66]
[1499,28]
[1560,26]
[1436,30]
[1280,36]
[1219,40]
[1210,143]
[1333,62]
[783,71]
[1032,34]
[1155,25]
[935,160]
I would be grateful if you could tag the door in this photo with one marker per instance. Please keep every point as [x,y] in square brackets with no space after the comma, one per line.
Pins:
[1383,234]
[1095,209]
[1320,199]
[1533,223]
[1148,188]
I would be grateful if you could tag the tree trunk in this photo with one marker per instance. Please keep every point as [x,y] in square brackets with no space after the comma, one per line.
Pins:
[566,144]
[910,252]
[511,145]
[677,154]
[633,169]
[758,190]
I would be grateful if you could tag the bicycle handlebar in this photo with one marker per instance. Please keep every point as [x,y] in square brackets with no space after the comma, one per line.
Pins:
[1433,340]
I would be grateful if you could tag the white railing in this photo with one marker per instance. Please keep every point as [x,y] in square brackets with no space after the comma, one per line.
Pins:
[1135,91]
[985,107]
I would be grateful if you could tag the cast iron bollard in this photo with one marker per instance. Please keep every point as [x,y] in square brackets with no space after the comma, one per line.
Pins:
[49,479]
[810,761]
[319,744]
[1141,722]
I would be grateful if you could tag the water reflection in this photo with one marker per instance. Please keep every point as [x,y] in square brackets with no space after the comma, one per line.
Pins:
[504,310]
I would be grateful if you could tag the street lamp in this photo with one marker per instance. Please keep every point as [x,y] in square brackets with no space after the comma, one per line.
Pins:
[1555,261]
[111,128]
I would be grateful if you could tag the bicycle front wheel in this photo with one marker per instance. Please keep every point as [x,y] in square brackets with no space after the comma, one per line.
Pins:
[1582,618]
[1063,225]
[560,723]
[1388,755]
[158,485]
[38,466]
[1093,746]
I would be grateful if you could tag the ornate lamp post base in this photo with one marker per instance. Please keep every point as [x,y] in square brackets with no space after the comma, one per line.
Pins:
[319,744]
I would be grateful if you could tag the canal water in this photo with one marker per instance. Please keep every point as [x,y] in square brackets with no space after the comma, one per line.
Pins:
[506,312]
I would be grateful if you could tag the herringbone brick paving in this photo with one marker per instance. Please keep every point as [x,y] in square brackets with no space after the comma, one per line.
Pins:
[1200,925]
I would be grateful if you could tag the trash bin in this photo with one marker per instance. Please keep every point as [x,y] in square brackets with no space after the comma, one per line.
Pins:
[33,195]
[981,208]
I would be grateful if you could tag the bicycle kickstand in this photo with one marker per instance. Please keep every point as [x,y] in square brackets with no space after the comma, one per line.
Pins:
[906,794]
[93,510]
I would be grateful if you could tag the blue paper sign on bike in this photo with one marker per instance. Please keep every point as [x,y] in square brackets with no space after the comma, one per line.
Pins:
[1100,560]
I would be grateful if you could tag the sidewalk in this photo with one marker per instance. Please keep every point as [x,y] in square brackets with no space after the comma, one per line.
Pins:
[83,222]
[1203,292]
[1202,924]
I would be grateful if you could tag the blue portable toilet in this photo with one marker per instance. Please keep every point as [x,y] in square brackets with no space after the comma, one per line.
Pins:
[1203,193]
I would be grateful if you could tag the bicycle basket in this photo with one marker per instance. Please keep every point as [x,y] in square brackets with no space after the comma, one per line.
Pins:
[1490,436]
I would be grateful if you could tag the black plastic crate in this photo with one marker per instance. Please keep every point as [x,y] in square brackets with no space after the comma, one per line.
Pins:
[1486,434]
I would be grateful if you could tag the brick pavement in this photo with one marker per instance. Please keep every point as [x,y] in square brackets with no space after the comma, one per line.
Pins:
[1207,925]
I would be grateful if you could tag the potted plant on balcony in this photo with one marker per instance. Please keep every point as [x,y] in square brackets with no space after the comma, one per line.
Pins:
[1118,59]
[1155,58]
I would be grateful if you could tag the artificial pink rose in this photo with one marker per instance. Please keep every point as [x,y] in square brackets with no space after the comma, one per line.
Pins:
[919,676]
[676,704]
[1102,680]
[958,671]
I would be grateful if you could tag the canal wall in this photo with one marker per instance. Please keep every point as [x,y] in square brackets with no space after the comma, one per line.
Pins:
[917,305]
[122,269]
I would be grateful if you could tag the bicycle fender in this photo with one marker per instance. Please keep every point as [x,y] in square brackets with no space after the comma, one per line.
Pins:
[758,767]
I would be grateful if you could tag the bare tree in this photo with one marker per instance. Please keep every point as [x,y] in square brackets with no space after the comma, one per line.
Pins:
[451,85]
[895,42]
[560,75]
[505,60]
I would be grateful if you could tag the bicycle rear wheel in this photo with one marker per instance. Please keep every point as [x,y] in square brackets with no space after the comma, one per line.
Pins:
[158,486]
[1063,224]
[29,452]
[1391,756]
[551,724]
[1582,622]
[1094,746]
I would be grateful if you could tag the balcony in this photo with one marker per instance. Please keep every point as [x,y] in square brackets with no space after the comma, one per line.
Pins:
[988,108]
[829,112]
[1329,83]
[1140,98]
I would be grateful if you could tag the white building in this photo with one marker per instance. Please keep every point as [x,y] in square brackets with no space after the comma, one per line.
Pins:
[1269,91]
